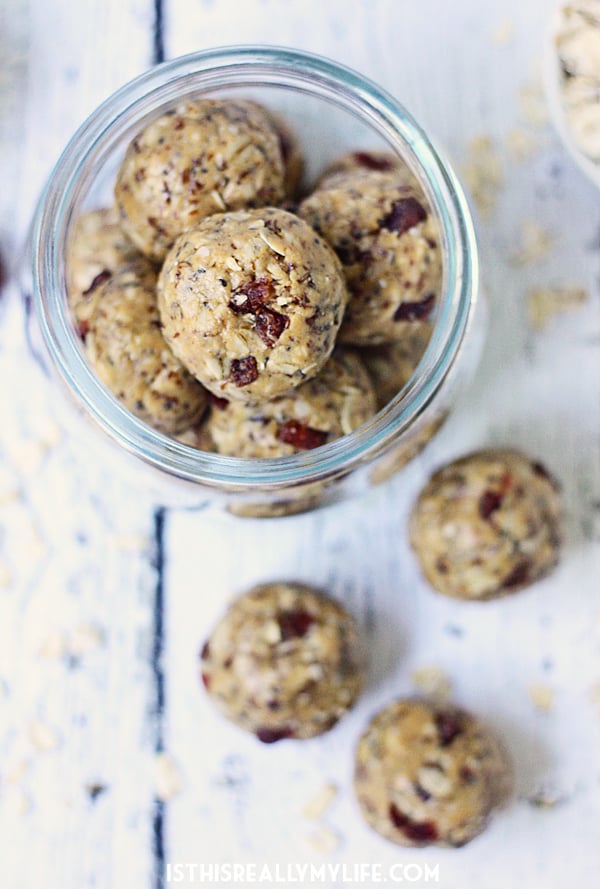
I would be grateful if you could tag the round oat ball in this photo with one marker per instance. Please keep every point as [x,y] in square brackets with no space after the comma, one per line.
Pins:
[125,346]
[388,242]
[331,405]
[392,365]
[251,303]
[203,157]
[97,247]
[487,525]
[284,662]
[428,774]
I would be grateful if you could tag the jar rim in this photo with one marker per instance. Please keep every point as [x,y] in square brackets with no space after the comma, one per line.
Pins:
[255,66]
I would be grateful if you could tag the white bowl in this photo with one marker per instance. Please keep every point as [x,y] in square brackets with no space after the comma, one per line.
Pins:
[552,83]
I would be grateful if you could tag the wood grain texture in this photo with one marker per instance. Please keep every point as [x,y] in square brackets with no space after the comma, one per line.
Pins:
[79,548]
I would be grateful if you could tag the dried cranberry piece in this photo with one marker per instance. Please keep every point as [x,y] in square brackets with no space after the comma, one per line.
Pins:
[489,502]
[256,292]
[415,311]
[205,652]
[295,624]
[404,215]
[372,162]
[83,328]
[205,680]
[300,436]
[219,403]
[468,775]
[448,728]
[244,370]
[101,278]
[272,735]
[417,831]
[518,576]
[270,325]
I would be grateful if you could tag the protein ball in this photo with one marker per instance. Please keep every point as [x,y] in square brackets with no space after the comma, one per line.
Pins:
[388,242]
[429,774]
[203,157]
[329,406]
[251,303]
[97,247]
[391,366]
[487,525]
[127,350]
[284,662]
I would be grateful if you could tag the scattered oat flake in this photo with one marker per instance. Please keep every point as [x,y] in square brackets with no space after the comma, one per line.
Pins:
[546,798]
[130,542]
[432,682]
[43,737]
[521,144]
[6,577]
[595,696]
[85,639]
[504,33]
[544,303]
[533,104]
[316,807]
[483,173]
[536,242]
[54,646]
[542,696]
[324,841]
[167,778]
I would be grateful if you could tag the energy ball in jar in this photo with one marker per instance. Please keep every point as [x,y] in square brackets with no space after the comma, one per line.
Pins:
[285,661]
[429,774]
[251,302]
[388,242]
[125,346]
[487,525]
[205,156]
[331,405]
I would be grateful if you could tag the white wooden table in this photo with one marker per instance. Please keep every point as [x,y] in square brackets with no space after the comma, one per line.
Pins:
[106,596]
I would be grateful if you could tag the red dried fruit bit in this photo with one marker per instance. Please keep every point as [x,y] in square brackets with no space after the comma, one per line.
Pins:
[244,370]
[272,735]
[220,403]
[415,311]
[489,502]
[205,680]
[205,652]
[448,728]
[372,161]
[518,576]
[468,775]
[417,831]
[101,278]
[294,624]
[270,325]
[300,436]
[83,328]
[404,215]
[256,292]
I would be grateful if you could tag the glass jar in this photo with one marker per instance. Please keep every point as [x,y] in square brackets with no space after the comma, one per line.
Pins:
[333,109]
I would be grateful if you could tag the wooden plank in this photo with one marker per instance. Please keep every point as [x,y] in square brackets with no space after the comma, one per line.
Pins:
[77,728]
[536,390]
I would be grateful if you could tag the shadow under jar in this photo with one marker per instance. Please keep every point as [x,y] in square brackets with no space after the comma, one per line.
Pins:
[333,110]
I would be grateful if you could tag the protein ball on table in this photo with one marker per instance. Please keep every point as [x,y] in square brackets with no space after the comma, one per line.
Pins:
[251,302]
[284,662]
[125,347]
[391,366]
[429,774]
[487,525]
[203,157]
[97,247]
[329,406]
[388,243]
